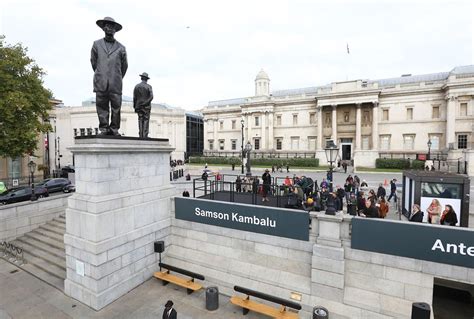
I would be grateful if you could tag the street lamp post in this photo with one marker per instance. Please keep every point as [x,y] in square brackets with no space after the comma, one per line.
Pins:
[32,167]
[429,148]
[248,148]
[242,145]
[331,154]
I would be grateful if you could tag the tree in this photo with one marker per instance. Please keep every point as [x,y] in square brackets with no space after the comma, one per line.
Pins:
[24,102]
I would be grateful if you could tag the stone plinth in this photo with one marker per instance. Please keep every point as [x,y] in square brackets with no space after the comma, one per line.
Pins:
[121,206]
[365,158]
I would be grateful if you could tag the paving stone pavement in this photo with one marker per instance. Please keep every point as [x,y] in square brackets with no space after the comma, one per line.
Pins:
[24,296]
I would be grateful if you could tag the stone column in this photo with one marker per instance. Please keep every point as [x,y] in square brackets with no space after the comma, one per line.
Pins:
[319,114]
[249,129]
[334,123]
[375,126]
[121,206]
[263,144]
[328,265]
[450,119]
[214,137]
[358,138]
[271,138]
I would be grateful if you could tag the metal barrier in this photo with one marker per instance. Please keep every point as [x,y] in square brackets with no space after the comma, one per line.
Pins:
[12,253]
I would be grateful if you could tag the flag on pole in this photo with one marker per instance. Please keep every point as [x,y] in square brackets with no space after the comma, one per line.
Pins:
[348,48]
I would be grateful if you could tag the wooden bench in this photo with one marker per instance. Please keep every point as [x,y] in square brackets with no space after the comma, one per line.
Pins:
[247,304]
[189,284]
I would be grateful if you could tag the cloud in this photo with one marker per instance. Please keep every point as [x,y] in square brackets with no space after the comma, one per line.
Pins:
[197,51]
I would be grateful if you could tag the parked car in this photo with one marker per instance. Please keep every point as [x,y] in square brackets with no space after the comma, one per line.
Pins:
[21,194]
[69,188]
[55,184]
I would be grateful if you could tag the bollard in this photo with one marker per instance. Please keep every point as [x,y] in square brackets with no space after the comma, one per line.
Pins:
[212,298]
[320,313]
[420,310]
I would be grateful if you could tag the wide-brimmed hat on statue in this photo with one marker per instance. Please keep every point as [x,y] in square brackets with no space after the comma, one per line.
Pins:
[101,23]
[144,75]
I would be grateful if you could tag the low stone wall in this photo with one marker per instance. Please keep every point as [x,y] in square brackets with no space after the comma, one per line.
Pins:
[20,218]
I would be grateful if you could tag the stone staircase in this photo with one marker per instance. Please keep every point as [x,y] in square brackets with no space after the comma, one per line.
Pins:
[44,252]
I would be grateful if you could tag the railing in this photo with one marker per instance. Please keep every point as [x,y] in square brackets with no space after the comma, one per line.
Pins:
[12,253]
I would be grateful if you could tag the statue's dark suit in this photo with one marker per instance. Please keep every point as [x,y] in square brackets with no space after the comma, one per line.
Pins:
[109,62]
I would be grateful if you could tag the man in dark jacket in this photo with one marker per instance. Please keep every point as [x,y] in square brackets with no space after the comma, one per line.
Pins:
[416,214]
[393,190]
[381,193]
[109,62]
[142,97]
[169,312]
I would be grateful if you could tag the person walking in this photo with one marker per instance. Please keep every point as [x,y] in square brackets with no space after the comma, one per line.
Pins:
[169,312]
[238,185]
[267,181]
[142,97]
[109,62]
[393,190]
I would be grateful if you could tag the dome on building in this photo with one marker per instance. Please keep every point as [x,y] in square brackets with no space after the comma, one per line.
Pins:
[262,75]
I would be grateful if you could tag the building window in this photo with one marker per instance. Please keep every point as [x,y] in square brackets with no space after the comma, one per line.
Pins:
[257,120]
[366,118]
[233,144]
[221,145]
[257,144]
[385,142]
[233,124]
[221,125]
[327,119]
[346,117]
[311,143]
[279,143]
[365,142]
[410,113]
[408,141]
[295,143]
[279,120]
[83,131]
[89,131]
[435,112]
[463,109]
[434,141]
[462,141]
[75,132]
[384,115]
[312,118]
[295,119]
[211,145]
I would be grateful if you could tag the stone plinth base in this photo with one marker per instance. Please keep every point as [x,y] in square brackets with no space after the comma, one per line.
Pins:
[121,206]
[365,158]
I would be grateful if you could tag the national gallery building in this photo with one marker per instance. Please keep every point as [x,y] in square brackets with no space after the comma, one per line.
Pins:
[367,119]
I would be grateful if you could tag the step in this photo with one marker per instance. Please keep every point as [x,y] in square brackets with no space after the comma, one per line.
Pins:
[60,220]
[46,266]
[53,229]
[41,246]
[45,276]
[50,234]
[46,240]
[57,224]
[42,254]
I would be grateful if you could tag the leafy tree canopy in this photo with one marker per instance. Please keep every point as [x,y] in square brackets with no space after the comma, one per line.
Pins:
[24,102]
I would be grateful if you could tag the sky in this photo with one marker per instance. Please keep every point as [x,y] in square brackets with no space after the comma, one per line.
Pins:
[201,51]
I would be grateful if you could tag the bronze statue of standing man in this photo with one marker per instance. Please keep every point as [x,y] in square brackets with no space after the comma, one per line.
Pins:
[109,62]
[142,97]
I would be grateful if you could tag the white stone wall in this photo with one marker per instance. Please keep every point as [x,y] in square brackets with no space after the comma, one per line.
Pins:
[20,218]
[121,206]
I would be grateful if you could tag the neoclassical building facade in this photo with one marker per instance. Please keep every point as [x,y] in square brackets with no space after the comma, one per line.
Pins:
[367,119]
